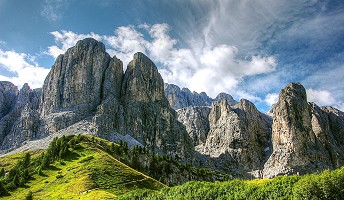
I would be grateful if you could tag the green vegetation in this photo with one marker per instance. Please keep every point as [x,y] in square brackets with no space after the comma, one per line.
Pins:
[73,167]
[326,185]
[85,167]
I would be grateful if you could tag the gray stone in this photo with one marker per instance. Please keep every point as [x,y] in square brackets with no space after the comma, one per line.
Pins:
[302,136]
[195,119]
[237,138]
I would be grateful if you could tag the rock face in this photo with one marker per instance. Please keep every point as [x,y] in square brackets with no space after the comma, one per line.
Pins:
[8,97]
[74,84]
[195,119]
[237,139]
[305,137]
[20,120]
[147,115]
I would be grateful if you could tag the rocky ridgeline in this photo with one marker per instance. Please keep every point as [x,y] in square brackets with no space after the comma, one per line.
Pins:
[181,98]
[87,92]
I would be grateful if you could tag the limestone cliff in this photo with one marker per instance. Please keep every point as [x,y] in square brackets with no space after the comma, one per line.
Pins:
[195,120]
[304,140]
[20,121]
[146,112]
[238,138]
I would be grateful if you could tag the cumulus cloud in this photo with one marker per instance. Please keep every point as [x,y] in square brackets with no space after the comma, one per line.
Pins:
[66,39]
[271,98]
[320,97]
[212,69]
[23,67]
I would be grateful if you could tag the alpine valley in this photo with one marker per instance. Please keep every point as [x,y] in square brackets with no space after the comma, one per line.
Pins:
[94,131]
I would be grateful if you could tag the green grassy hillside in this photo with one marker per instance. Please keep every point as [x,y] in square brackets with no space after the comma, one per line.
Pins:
[74,167]
[325,185]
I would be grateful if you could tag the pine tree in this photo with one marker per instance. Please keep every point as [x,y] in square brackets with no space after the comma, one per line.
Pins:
[26,161]
[2,172]
[3,191]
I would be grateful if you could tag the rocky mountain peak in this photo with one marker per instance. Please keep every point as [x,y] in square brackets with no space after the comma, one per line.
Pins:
[75,80]
[142,81]
[294,91]
[226,96]
[301,135]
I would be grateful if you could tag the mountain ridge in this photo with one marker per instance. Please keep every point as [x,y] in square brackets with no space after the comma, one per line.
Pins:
[88,92]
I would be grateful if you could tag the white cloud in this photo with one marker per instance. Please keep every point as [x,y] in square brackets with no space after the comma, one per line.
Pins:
[324,98]
[271,98]
[212,69]
[125,43]
[320,97]
[25,70]
[67,39]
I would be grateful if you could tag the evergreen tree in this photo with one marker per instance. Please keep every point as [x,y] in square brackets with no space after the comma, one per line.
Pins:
[26,161]
[3,191]
[112,147]
[16,180]
[2,172]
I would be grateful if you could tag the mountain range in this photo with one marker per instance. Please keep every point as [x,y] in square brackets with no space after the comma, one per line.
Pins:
[88,92]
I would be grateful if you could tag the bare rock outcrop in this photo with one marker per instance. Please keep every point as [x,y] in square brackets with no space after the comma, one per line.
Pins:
[238,138]
[303,135]
[195,120]
[74,84]
[147,115]
[21,121]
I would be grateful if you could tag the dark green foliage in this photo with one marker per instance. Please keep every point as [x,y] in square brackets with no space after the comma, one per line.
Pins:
[2,172]
[29,196]
[3,191]
[39,170]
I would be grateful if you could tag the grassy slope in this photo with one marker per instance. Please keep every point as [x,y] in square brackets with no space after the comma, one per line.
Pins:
[87,173]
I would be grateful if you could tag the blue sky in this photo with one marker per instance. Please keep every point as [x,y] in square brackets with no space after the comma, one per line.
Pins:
[249,49]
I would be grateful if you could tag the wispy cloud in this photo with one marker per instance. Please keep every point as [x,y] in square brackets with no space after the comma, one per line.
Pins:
[52,10]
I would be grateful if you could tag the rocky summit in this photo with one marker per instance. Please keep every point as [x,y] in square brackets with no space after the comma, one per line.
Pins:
[305,137]
[87,92]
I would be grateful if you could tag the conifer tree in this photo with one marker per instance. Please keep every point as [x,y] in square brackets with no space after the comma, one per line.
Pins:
[3,190]
[2,172]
